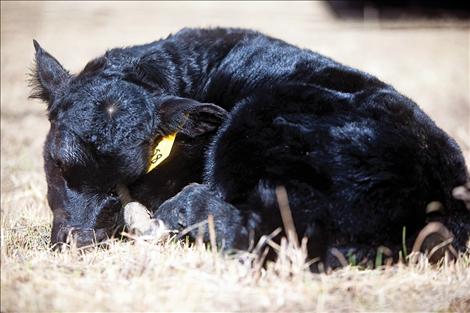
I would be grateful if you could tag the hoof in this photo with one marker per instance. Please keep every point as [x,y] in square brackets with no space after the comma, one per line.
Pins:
[139,223]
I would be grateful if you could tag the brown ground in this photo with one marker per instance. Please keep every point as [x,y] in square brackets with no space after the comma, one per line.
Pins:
[426,60]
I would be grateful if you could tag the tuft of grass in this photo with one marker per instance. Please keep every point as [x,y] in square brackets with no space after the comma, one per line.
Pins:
[403,243]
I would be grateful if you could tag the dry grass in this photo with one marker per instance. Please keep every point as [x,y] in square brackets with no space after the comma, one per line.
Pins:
[169,276]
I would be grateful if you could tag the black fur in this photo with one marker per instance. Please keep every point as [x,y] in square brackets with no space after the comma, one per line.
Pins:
[359,161]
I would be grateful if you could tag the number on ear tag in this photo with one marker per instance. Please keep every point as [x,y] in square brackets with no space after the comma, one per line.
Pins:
[161,151]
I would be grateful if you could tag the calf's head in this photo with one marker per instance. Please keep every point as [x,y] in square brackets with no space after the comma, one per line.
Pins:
[103,128]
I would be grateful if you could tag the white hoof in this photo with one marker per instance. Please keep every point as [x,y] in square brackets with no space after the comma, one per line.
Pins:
[138,221]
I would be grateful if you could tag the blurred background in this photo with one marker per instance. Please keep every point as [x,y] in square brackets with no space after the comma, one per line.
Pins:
[420,47]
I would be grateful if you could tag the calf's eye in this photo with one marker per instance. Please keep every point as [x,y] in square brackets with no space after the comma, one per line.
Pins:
[112,192]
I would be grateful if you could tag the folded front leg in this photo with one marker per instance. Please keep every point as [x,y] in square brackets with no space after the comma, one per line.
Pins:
[195,203]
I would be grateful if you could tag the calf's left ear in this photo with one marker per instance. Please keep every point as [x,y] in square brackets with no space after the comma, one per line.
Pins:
[48,76]
[189,116]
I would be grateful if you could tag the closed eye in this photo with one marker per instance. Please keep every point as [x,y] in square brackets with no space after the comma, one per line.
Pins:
[112,192]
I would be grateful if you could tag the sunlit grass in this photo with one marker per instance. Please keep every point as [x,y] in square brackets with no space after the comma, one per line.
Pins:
[171,275]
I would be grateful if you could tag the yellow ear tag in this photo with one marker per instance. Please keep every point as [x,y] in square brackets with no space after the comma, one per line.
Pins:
[161,151]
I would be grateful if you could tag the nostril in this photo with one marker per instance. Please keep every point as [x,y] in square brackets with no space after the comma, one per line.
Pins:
[59,238]
[87,237]
[79,237]
[83,238]
[63,234]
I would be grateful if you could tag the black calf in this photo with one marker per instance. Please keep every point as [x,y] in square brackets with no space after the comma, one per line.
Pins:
[359,161]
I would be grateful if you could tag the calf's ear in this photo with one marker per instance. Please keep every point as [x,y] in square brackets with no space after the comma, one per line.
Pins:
[48,76]
[189,116]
